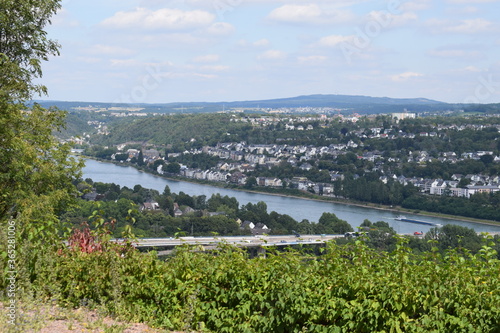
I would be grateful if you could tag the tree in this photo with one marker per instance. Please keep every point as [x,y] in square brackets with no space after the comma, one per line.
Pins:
[121,157]
[251,182]
[140,158]
[487,159]
[200,202]
[329,223]
[173,168]
[34,167]
[255,213]
[166,203]
[453,236]
[366,223]
[384,226]
[216,200]
[37,173]
[184,199]
[166,191]
[101,188]
[24,45]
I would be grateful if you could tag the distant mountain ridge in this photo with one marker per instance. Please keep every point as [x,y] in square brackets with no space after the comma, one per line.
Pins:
[331,100]
[358,103]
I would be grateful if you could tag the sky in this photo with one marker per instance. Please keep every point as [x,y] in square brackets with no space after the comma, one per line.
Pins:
[162,51]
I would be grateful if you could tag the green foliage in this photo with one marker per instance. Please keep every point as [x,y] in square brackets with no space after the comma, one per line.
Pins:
[453,236]
[370,189]
[329,223]
[77,123]
[37,173]
[181,131]
[481,205]
[251,182]
[100,152]
[216,200]
[195,161]
[173,168]
[23,46]
[346,289]
[378,235]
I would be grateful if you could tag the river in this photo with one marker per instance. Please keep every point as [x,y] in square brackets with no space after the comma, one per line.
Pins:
[297,208]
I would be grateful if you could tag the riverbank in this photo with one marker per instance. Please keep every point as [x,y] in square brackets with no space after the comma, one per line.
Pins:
[395,209]
[291,194]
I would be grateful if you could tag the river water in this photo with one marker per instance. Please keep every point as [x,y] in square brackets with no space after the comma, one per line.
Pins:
[297,208]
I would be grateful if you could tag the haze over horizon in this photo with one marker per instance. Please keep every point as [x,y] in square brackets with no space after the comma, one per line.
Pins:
[154,51]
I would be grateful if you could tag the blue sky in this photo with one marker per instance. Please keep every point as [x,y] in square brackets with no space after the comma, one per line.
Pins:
[160,51]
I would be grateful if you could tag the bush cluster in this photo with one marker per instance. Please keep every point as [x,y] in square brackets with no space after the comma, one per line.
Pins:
[349,288]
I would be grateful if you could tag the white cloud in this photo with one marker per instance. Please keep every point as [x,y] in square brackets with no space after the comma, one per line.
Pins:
[309,14]
[109,50]
[334,40]
[161,19]
[231,5]
[159,65]
[124,63]
[208,58]
[181,73]
[413,6]
[405,76]
[159,41]
[89,60]
[470,1]
[472,69]
[261,43]
[471,26]
[220,29]
[64,19]
[388,20]
[312,60]
[455,53]
[139,64]
[468,26]
[204,76]
[272,55]
[120,75]
[215,68]
[463,10]
[245,45]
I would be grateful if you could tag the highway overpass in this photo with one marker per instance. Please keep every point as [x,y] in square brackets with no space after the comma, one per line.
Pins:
[166,245]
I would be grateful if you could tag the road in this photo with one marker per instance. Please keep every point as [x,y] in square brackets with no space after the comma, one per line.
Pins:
[259,241]
[243,241]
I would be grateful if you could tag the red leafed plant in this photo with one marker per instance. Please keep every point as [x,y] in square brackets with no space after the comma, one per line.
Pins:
[98,238]
[84,240]
[89,241]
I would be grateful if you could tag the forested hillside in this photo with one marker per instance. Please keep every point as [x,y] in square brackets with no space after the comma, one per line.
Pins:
[200,129]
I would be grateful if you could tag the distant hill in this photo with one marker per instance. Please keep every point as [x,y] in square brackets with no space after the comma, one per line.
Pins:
[360,104]
[333,101]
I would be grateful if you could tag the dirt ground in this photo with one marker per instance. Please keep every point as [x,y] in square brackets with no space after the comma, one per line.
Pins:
[54,319]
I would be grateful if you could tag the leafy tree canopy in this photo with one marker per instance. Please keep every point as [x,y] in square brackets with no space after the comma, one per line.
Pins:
[24,45]
[36,171]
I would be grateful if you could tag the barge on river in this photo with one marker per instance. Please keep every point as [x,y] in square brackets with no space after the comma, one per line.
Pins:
[405,219]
